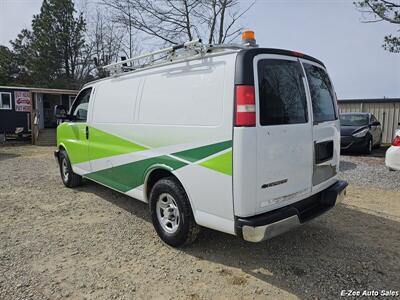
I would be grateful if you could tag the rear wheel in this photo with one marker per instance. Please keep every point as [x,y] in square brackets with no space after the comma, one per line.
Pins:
[69,178]
[172,214]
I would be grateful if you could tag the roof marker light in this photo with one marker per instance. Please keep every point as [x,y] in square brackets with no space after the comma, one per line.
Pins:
[297,54]
[248,37]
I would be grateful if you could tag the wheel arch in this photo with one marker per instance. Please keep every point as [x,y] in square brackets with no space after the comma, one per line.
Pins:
[157,172]
[62,146]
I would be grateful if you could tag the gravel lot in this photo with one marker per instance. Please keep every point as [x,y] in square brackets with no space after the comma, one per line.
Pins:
[94,243]
[370,172]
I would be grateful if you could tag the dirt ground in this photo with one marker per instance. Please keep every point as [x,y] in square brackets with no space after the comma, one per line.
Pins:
[94,243]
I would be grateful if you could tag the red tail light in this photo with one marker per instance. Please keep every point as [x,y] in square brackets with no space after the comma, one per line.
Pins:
[245,106]
[396,141]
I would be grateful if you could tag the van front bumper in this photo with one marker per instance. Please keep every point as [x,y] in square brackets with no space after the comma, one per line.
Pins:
[268,225]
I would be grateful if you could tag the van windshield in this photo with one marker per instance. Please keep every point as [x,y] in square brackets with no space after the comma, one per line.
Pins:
[322,96]
[353,120]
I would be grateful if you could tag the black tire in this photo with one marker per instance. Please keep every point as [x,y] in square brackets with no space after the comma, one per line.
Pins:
[368,148]
[70,179]
[186,230]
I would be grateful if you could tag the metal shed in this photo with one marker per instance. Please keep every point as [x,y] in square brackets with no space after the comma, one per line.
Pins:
[386,110]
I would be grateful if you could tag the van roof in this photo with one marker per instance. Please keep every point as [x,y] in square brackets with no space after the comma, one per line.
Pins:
[244,62]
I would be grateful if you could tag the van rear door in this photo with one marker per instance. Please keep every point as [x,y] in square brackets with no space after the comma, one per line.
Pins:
[284,132]
[326,128]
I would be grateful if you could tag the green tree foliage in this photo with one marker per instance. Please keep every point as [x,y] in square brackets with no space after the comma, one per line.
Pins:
[13,70]
[21,51]
[8,67]
[383,11]
[57,43]
[53,53]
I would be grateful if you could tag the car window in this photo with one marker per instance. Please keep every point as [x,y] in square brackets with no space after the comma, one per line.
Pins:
[80,106]
[353,120]
[322,95]
[282,95]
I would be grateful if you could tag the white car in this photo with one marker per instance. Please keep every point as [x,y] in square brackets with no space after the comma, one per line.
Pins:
[392,159]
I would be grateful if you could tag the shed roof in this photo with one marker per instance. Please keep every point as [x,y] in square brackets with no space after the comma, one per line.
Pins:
[373,100]
[41,90]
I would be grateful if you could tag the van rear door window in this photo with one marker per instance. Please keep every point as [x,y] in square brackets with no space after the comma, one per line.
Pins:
[282,95]
[322,96]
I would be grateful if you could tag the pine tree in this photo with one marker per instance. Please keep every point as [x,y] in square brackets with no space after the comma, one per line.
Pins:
[51,52]
[8,67]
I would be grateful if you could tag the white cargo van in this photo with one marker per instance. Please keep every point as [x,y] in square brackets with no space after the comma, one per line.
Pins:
[237,138]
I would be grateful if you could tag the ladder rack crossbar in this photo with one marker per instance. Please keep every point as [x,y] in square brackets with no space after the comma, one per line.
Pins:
[170,55]
[168,49]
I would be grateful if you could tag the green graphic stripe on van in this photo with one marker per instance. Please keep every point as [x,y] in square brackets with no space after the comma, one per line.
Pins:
[196,154]
[129,176]
[221,163]
[103,145]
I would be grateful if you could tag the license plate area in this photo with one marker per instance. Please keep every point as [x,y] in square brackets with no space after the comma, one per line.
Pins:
[323,151]
[324,168]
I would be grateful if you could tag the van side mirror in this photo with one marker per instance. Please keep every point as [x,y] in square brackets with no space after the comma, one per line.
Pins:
[376,123]
[60,113]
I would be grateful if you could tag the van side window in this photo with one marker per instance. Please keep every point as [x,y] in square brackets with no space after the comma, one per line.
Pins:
[282,94]
[322,96]
[80,106]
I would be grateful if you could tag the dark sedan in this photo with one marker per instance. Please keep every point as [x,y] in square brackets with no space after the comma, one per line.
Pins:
[360,132]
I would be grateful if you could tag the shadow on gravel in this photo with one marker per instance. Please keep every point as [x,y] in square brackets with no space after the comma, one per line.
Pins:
[377,152]
[380,152]
[136,207]
[5,156]
[343,249]
[346,165]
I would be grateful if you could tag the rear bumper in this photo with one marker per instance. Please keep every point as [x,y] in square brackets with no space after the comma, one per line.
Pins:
[273,223]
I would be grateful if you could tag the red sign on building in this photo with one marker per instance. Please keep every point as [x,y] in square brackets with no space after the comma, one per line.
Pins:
[23,101]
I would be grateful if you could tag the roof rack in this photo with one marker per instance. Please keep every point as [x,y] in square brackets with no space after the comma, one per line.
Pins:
[169,52]
[194,47]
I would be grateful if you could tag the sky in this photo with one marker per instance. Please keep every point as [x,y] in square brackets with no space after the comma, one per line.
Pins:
[330,30]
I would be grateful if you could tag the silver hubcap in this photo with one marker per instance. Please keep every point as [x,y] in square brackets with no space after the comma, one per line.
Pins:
[167,213]
[64,169]
[370,146]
